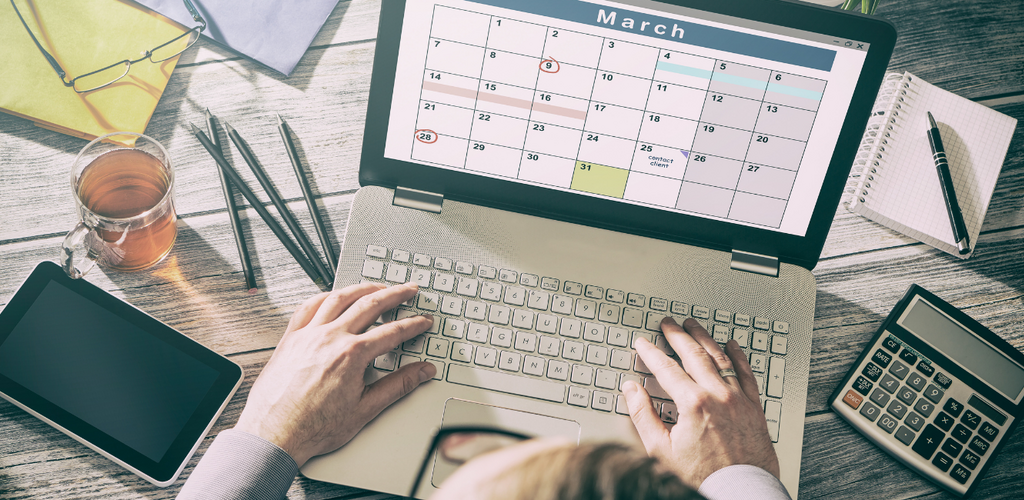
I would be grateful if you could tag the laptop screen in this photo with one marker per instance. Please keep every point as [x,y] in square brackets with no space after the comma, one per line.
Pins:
[639,102]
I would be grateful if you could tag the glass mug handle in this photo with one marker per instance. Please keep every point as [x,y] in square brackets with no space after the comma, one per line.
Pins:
[83,248]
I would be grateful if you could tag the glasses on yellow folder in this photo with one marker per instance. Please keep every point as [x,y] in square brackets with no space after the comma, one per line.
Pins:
[110,74]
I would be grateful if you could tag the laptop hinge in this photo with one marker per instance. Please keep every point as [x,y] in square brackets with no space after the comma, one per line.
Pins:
[420,200]
[755,263]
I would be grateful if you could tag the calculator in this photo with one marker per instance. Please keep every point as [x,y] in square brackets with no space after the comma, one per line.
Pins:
[936,390]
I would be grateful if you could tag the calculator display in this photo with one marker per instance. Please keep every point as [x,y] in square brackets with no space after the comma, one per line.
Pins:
[962,345]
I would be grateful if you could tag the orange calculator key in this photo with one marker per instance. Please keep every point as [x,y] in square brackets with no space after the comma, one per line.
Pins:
[853,399]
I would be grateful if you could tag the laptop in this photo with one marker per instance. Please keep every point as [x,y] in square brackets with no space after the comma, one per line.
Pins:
[559,175]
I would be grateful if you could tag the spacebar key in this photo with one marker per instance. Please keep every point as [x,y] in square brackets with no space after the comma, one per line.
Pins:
[501,382]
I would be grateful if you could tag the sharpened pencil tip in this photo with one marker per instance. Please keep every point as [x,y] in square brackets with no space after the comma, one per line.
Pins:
[227,126]
[195,129]
[208,114]
[279,120]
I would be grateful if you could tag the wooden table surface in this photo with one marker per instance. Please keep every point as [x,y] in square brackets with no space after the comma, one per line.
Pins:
[972,47]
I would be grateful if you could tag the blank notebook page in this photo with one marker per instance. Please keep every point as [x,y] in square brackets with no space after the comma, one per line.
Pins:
[907,190]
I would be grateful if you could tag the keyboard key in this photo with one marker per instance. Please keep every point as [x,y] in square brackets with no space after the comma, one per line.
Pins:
[942,461]
[616,296]
[476,310]
[852,399]
[988,431]
[761,323]
[880,397]
[547,323]
[561,304]
[925,368]
[952,447]
[620,405]
[776,377]
[889,384]
[509,361]
[548,346]
[508,276]
[376,251]
[538,300]
[586,309]
[373,269]
[462,351]
[760,341]
[572,350]
[897,409]
[532,365]
[773,415]
[622,360]
[485,356]
[914,421]
[924,407]
[891,344]
[578,396]
[597,355]
[720,333]
[526,341]
[779,344]
[905,435]
[960,474]
[443,264]
[636,300]
[917,381]
[487,272]
[609,313]
[618,336]
[421,259]
[501,337]
[669,413]
[933,393]
[680,308]
[558,370]
[427,301]
[970,459]
[659,304]
[467,287]
[571,328]
[943,421]
[402,256]
[757,362]
[701,312]
[594,292]
[507,383]
[630,378]
[476,332]
[522,318]
[661,343]
[607,379]
[872,371]
[490,291]
[862,385]
[882,358]
[439,365]
[451,305]
[602,401]
[742,337]
[723,316]
[454,328]
[593,332]
[953,407]
[741,320]
[444,282]
[780,327]
[582,375]
[572,288]
[639,366]
[943,380]
[907,395]
[928,442]
[979,446]
[386,361]
[421,277]
[887,424]
[530,280]
[633,318]
[437,347]
[549,284]
[415,344]
[899,370]
[499,315]
[970,419]
[515,296]
[655,389]
[908,357]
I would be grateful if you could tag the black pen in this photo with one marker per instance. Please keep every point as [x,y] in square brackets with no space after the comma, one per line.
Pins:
[956,218]
[258,206]
[318,223]
[275,198]
[229,198]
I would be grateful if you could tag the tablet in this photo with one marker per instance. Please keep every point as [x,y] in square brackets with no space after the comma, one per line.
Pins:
[109,375]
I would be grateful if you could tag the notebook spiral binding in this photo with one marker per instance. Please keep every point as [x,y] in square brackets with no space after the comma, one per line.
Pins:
[895,94]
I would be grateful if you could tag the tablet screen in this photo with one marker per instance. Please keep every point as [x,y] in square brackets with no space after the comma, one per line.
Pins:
[105,370]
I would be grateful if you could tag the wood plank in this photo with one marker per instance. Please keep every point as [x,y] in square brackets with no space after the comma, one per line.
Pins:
[970,48]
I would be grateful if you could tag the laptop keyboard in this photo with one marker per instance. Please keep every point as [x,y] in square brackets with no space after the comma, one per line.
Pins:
[560,341]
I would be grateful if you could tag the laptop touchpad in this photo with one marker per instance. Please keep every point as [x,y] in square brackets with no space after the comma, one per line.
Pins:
[458,413]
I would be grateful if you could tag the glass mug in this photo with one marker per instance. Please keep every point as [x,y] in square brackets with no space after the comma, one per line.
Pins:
[125,209]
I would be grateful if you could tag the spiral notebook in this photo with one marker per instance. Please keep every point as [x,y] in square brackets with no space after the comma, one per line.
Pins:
[893,180]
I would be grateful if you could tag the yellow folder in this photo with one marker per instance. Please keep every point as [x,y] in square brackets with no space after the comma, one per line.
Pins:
[83,36]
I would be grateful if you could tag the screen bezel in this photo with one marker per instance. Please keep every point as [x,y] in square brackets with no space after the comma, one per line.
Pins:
[376,169]
[229,376]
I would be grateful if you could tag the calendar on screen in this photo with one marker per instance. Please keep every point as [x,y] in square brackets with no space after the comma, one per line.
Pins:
[639,105]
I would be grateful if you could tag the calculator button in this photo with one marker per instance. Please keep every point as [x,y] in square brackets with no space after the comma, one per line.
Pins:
[952,447]
[978,445]
[906,395]
[942,461]
[926,368]
[899,370]
[961,433]
[852,399]
[960,474]
[943,380]
[909,357]
[924,407]
[953,407]
[928,441]
[887,424]
[933,393]
[916,381]
[870,411]
[943,421]
[905,435]
[880,397]
[970,459]
[891,344]
[914,421]
[988,431]
[862,385]
[889,384]
[897,409]
[872,371]
[970,419]
[881,357]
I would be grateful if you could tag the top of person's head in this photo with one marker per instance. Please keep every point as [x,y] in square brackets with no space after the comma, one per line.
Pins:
[606,471]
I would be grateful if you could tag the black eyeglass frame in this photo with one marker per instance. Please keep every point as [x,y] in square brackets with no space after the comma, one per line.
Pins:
[448,431]
[198,30]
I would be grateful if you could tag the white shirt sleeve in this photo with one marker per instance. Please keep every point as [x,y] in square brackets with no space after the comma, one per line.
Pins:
[240,465]
[748,482]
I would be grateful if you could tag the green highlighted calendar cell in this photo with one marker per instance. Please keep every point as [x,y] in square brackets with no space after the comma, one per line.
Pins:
[599,179]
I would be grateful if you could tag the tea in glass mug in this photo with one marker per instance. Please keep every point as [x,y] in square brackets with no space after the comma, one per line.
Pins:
[124,198]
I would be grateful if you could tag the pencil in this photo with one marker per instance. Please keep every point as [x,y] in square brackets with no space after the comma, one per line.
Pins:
[229,198]
[275,198]
[307,193]
[235,179]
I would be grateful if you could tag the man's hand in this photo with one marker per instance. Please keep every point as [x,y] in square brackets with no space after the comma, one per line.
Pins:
[720,419]
[310,398]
